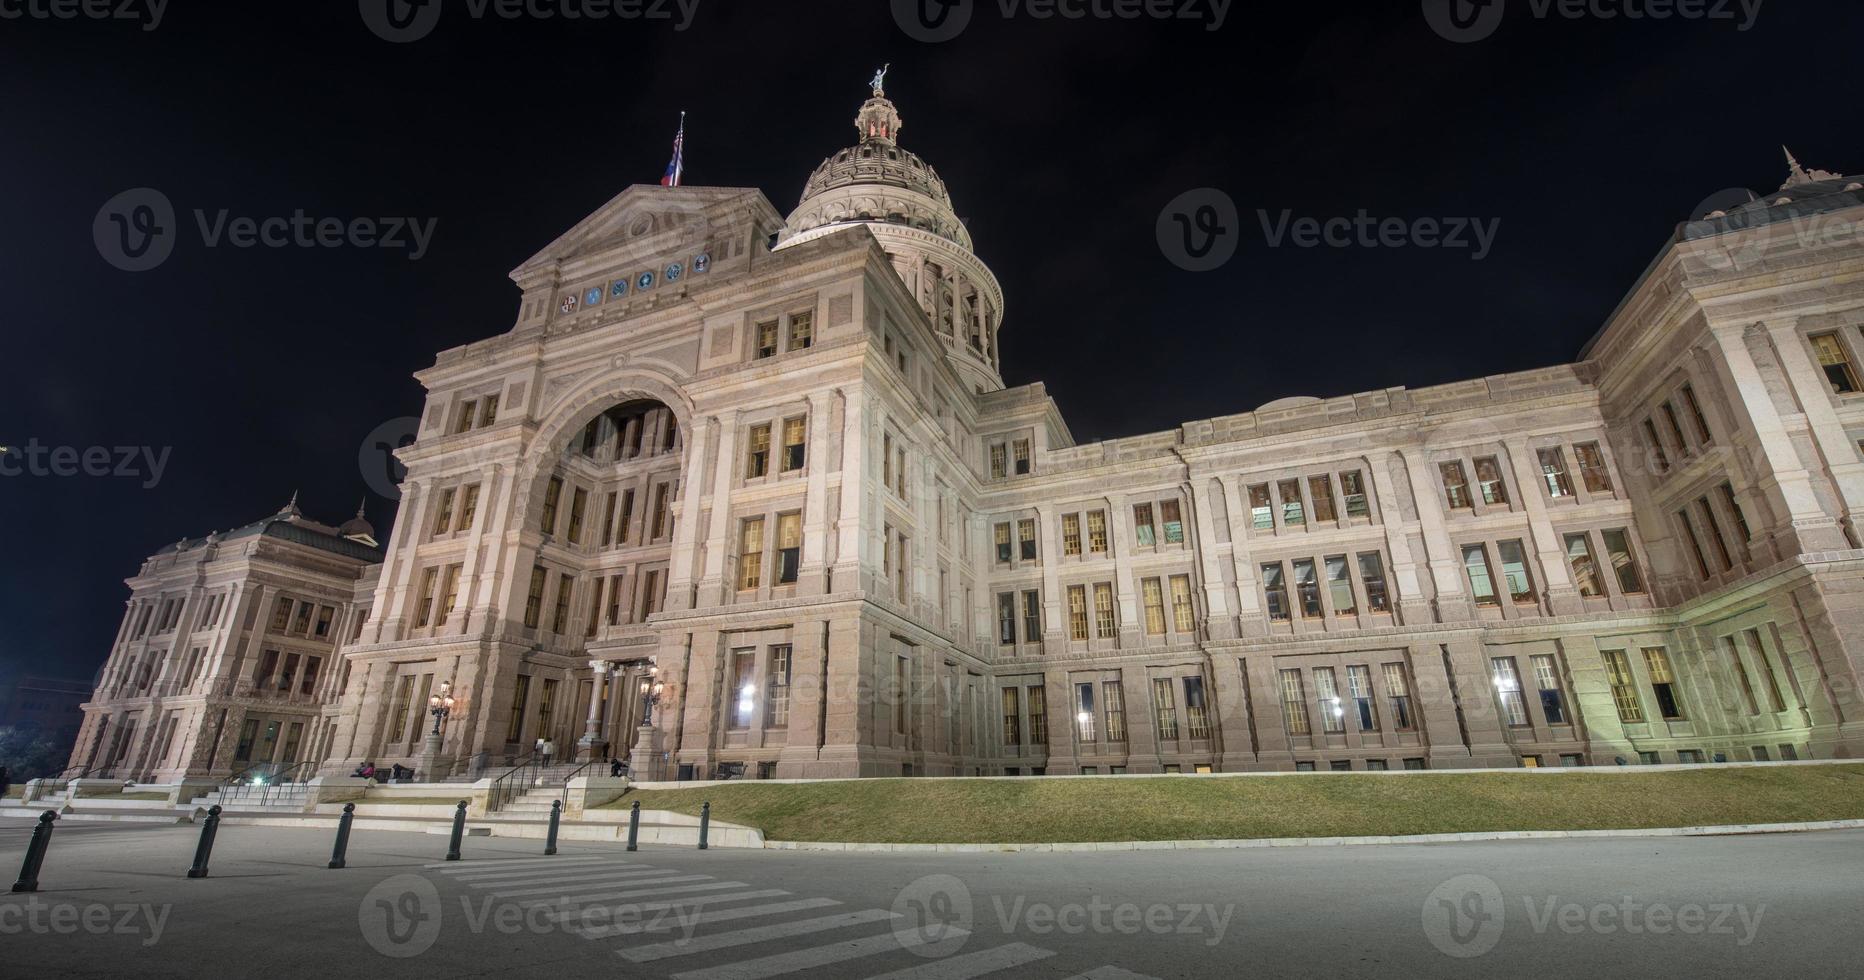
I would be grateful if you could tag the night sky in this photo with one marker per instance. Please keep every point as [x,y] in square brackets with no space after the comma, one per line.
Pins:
[261,370]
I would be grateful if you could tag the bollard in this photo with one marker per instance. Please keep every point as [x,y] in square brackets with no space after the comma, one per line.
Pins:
[205,849]
[35,853]
[705,822]
[634,825]
[338,854]
[556,815]
[459,831]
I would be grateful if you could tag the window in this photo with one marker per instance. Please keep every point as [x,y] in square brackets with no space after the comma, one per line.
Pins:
[595,608]
[1307,587]
[1481,586]
[1592,468]
[1663,683]
[1774,695]
[301,623]
[1353,488]
[1514,570]
[1084,712]
[626,516]
[553,494]
[899,470]
[560,618]
[1097,531]
[1618,548]
[999,461]
[1026,538]
[1585,567]
[1006,618]
[1165,709]
[1553,471]
[1275,592]
[1173,521]
[325,614]
[1359,685]
[1508,691]
[660,511]
[1294,514]
[1261,508]
[1182,619]
[1077,612]
[1320,491]
[1196,713]
[1489,481]
[743,690]
[424,615]
[1676,428]
[1340,586]
[1400,695]
[1657,454]
[1012,717]
[1144,530]
[534,599]
[1155,605]
[1038,715]
[488,410]
[1114,699]
[1103,610]
[443,514]
[1836,364]
[1624,688]
[608,520]
[750,553]
[777,712]
[1032,616]
[467,412]
[1294,703]
[1020,451]
[1455,486]
[1327,698]
[1715,533]
[789,547]
[1372,576]
[1695,544]
[802,330]
[795,445]
[1005,548]
[651,593]
[449,597]
[469,507]
[1744,534]
[757,458]
[579,509]
[1070,534]
[902,567]
[767,339]
[1741,675]
[1695,414]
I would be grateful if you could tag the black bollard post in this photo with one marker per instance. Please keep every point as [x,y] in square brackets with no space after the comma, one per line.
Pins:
[205,849]
[634,826]
[459,831]
[338,855]
[556,815]
[35,853]
[705,822]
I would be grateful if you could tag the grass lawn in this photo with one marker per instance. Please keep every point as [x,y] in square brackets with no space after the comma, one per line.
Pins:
[411,800]
[126,796]
[960,811]
[15,792]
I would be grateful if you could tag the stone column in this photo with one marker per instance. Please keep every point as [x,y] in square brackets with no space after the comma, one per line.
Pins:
[591,743]
[1218,624]
[813,576]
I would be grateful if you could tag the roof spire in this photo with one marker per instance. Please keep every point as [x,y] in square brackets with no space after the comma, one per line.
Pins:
[292,507]
[1800,175]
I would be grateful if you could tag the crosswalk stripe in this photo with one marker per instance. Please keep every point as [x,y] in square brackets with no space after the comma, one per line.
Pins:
[683,918]
[566,889]
[571,865]
[593,875]
[756,934]
[1111,973]
[672,904]
[455,867]
[971,964]
[633,893]
[807,959]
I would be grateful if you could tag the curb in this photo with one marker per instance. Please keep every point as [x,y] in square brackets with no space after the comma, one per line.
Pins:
[1197,845]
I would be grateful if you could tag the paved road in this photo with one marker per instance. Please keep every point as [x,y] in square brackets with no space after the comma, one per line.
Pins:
[114,901]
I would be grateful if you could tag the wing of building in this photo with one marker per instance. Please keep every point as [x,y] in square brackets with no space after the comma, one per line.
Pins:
[741,494]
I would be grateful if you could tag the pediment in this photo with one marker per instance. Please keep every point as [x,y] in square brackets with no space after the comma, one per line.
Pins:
[653,217]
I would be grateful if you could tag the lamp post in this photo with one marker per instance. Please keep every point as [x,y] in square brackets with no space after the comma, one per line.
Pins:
[440,705]
[640,761]
[651,690]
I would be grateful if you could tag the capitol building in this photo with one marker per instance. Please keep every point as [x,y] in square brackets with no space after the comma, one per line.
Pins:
[743,495]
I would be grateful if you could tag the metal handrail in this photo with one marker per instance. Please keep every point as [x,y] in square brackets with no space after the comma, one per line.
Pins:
[285,778]
[505,789]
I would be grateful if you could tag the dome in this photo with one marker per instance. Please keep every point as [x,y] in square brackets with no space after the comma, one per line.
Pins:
[358,528]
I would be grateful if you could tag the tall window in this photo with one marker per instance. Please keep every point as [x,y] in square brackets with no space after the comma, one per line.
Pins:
[1455,486]
[1182,618]
[652,592]
[1657,453]
[1196,714]
[1261,508]
[660,511]
[1006,549]
[1836,364]
[1020,450]
[1489,480]
[1359,686]
[625,515]
[777,712]
[1294,703]
[795,445]
[514,722]
[1155,605]
[1514,570]
[767,339]
[1173,521]
[1144,530]
[1012,717]
[579,510]
[1585,567]
[443,514]
[1320,491]
[449,597]
[902,693]
[1695,414]
[1103,610]
[1624,686]
[743,690]
[1663,684]
[1695,544]
[1553,471]
[1372,576]
[488,410]
[1399,692]
[1714,527]
[534,598]
[1592,468]
[1038,715]
[560,618]
[1165,709]
[1114,700]
[1507,680]
[802,330]
[1340,586]
[1006,618]
[789,547]
[1294,513]
[1775,696]
[424,614]
[999,461]
[1077,612]
[546,706]
[1327,699]
[1624,565]
[1070,534]
[1275,592]
[1743,534]
[1084,712]
[1032,616]
[1026,543]
[553,495]
[1675,427]
[1547,680]
[751,553]
[757,452]
[1353,488]
[1307,587]
[1097,531]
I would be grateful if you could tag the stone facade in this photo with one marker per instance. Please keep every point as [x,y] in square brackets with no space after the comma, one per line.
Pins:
[769,466]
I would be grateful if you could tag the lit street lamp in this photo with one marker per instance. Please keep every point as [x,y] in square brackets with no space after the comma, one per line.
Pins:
[651,690]
[441,704]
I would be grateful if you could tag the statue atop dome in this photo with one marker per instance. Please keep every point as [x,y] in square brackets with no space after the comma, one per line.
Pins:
[880,81]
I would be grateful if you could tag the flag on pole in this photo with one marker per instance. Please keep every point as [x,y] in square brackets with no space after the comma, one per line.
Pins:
[677,166]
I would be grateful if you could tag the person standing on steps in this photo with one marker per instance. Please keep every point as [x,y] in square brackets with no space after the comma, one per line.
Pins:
[614,767]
